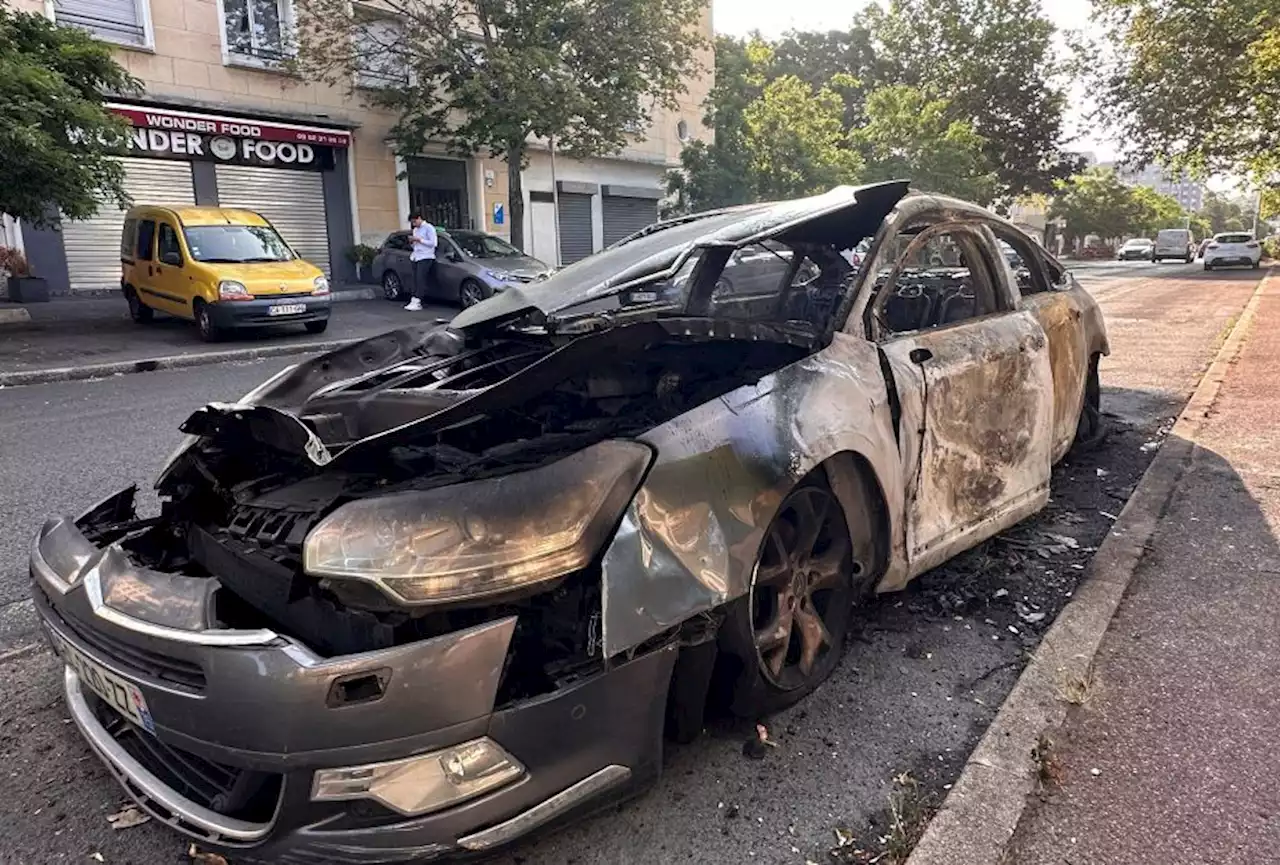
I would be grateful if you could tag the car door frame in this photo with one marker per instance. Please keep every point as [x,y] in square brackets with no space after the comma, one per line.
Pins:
[173,283]
[956,493]
[147,278]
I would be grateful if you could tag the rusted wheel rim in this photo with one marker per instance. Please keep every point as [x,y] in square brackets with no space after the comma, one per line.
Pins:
[802,582]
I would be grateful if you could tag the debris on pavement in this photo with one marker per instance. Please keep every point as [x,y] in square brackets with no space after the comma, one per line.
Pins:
[757,746]
[128,817]
[203,857]
[96,857]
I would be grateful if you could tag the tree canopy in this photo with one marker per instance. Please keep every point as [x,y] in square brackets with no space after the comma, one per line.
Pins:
[1097,202]
[1192,84]
[56,137]
[490,75]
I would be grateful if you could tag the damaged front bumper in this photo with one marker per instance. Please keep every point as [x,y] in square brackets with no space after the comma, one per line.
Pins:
[227,729]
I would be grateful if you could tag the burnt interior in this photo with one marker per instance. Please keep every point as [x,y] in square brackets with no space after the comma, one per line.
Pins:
[241,510]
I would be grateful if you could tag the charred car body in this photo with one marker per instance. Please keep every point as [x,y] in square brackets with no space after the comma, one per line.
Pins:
[426,593]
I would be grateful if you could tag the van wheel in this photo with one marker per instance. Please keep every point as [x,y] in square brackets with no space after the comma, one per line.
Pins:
[138,310]
[789,632]
[209,331]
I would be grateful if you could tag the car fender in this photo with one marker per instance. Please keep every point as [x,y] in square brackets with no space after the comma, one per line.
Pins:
[688,542]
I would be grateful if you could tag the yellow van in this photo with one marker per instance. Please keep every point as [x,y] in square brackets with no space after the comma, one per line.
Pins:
[223,268]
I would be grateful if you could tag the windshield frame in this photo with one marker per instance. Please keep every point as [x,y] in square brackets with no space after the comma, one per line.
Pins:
[290,253]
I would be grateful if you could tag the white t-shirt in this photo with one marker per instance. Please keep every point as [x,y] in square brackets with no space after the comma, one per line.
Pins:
[424,242]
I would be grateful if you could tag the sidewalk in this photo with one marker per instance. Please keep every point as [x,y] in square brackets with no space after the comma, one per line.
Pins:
[78,334]
[1170,759]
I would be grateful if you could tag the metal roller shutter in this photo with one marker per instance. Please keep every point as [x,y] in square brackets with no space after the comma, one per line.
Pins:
[93,245]
[113,19]
[626,216]
[293,201]
[575,227]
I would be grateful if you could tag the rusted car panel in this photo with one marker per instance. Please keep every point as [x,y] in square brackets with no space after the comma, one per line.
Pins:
[689,542]
[1059,314]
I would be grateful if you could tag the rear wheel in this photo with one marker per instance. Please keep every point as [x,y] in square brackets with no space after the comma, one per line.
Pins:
[1091,428]
[789,632]
[209,332]
[392,288]
[138,310]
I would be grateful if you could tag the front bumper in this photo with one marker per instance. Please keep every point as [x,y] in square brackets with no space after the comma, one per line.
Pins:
[251,708]
[230,314]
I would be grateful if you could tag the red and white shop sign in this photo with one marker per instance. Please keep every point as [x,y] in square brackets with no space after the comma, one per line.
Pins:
[235,127]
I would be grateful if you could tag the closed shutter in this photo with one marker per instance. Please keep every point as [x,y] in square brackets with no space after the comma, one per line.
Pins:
[93,245]
[292,201]
[115,20]
[575,227]
[625,216]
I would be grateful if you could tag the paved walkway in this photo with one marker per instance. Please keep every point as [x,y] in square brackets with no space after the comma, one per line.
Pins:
[71,332]
[1171,759]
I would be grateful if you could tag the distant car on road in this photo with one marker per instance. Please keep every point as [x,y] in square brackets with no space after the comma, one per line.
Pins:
[1174,243]
[1232,248]
[1136,249]
[470,266]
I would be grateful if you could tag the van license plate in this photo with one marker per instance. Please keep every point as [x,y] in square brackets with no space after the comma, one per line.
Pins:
[120,694]
[287,309]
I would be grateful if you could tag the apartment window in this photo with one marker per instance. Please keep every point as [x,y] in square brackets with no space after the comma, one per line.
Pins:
[124,22]
[257,29]
[379,53]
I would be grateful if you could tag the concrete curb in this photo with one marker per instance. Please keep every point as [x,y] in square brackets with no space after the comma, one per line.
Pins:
[979,816]
[177,361]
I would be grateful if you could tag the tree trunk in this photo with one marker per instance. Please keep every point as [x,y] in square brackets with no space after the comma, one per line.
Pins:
[515,193]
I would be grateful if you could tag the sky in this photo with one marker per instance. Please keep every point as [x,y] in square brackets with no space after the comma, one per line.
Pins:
[774,17]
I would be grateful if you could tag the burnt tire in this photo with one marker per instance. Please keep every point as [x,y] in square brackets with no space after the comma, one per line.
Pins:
[1091,428]
[138,311]
[787,635]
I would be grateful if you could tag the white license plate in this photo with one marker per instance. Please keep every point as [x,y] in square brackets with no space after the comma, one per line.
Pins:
[120,694]
[287,309]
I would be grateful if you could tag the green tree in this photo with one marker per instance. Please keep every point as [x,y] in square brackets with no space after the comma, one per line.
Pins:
[57,141]
[994,63]
[1096,202]
[824,58]
[908,135]
[796,142]
[1153,211]
[490,75]
[1222,212]
[1192,84]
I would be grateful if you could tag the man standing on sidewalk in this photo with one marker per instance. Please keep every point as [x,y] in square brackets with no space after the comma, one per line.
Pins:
[423,258]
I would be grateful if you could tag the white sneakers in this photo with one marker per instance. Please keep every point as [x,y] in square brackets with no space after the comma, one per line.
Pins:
[414,305]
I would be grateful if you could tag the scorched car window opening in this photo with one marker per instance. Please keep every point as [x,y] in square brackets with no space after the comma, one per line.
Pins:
[1026,263]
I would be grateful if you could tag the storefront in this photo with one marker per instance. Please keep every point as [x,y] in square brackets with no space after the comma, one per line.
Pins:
[294,175]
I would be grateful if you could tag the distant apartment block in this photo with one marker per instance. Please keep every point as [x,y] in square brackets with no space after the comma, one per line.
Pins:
[1181,187]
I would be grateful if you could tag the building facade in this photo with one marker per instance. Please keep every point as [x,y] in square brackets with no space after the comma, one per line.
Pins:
[221,122]
[1184,189]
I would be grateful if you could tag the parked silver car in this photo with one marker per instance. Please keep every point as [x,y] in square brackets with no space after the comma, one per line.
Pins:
[426,593]
[470,266]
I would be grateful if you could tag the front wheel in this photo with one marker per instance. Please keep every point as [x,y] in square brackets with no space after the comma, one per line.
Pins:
[471,293]
[392,287]
[209,331]
[789,632]
[316,326]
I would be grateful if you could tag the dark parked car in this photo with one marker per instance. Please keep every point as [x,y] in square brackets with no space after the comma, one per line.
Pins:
[426,593]
[470,266]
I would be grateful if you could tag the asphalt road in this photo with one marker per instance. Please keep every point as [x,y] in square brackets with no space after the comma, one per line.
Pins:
[921,681]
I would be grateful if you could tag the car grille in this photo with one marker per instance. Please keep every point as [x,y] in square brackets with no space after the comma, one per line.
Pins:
[230,791]
[135,659]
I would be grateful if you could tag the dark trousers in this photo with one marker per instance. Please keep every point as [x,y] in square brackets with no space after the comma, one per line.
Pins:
[424,278]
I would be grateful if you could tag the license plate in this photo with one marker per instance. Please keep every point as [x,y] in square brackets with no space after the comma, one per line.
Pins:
[118,693]
[287,309]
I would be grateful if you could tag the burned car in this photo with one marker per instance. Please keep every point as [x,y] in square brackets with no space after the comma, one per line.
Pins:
[425,594]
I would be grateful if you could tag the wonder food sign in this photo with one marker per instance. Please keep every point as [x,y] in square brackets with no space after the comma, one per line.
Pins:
[169,134]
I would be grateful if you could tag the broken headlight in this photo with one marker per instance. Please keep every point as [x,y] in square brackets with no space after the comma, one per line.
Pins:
[483,538]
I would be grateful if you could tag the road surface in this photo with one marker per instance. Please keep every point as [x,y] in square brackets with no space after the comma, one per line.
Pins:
[917,688]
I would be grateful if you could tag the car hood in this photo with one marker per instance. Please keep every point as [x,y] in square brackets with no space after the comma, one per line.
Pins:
[660,249]
[521,265]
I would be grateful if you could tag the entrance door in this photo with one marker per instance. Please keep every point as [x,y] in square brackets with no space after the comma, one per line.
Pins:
[92,245]
[438,190]
[541,242]
[975,388]
[292,201]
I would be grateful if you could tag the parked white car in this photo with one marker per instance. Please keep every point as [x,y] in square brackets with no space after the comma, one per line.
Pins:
[1232,248]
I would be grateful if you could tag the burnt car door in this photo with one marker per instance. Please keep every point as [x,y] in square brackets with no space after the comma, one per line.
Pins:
[972,377]
[1046,290]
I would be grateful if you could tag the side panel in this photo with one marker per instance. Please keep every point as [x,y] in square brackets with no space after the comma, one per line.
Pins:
[984,440]
[689,541]
[1060,314]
